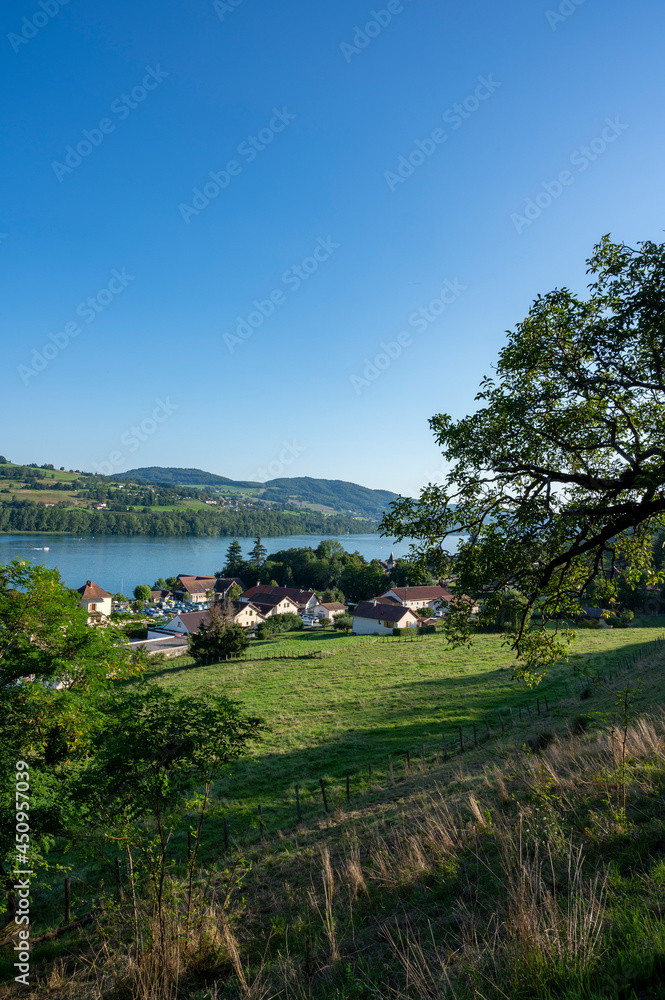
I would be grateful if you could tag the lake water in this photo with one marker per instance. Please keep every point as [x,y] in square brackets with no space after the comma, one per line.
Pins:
[118,563]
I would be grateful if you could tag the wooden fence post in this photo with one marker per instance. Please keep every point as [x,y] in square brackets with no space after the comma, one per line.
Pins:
[323,794]
[298,805]
[390,766]
[445,748]
[408,762]
[422,754]
[260,821]
[475,735]
[461,739]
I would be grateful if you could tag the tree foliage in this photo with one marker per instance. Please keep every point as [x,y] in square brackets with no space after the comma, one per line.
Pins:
[558,479]
[217,639]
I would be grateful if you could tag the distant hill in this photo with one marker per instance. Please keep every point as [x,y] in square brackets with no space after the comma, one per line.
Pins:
[334,494]
[181,477]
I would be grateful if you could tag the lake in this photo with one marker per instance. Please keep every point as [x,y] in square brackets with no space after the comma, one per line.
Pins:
[118,563]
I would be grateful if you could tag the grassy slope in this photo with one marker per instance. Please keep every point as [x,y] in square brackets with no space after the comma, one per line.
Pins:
[351,710]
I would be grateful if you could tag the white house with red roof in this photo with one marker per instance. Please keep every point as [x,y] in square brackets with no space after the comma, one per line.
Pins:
[420,597]
[95,600]
[380,618]
[330,610]
[304,600]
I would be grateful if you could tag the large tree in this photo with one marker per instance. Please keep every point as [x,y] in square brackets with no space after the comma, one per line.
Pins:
[558,479]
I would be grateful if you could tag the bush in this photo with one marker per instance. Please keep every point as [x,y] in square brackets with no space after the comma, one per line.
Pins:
[216,641]
[276,624]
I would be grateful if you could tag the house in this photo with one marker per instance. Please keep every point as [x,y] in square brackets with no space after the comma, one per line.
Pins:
[389,563]
[376,618]
[328,610]
[420,597]
[185,623]
[95,600]
[224,583]
[194,588]
[273,604]
[304,600]
[159,595]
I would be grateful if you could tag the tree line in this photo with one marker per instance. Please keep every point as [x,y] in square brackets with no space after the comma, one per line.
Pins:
[26,515]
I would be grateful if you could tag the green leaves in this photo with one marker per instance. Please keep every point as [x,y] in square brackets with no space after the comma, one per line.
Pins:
[558,480]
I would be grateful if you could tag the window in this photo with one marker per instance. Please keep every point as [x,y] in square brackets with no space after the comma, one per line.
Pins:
[92,607]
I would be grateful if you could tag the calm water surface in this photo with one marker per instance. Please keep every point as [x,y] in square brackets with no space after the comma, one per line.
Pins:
[119,563]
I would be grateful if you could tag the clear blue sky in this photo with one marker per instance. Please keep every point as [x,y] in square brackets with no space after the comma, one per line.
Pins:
[167,330]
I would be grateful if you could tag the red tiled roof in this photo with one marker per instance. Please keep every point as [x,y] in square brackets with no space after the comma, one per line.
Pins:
[299,597]
[92,592]
[196,584]
[420,593]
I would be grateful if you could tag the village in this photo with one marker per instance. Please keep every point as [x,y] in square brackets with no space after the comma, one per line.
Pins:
[176,614]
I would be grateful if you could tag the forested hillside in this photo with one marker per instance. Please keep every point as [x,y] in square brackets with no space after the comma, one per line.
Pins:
[29,516]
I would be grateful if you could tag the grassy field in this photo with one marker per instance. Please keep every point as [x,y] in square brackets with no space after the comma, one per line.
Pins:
[396,854]
[350,711]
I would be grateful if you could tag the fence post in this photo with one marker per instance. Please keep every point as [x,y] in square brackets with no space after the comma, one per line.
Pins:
[390,766]
[501,720]
[487,727]
[445,748]
[68,901]
[461,739]
[422,754]
[260,810]
[475,735]
[348,785]
[370,777]
[298,804]
[408,762]
[323,795]
[547,707]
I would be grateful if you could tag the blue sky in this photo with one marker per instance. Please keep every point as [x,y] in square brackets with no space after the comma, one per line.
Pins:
[372,299]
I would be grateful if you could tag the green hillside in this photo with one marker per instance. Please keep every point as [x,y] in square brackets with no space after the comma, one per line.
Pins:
[334,495]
